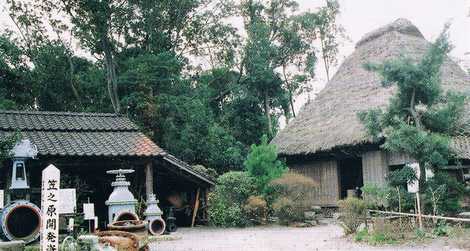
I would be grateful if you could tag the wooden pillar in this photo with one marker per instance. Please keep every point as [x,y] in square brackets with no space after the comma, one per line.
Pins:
[149,178]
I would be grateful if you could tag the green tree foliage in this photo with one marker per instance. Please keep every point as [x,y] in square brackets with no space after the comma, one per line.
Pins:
[421,118]
[140,58]
[15,76]
[263,164]
[329,33]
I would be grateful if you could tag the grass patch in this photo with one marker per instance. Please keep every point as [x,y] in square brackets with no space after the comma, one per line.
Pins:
[374,238]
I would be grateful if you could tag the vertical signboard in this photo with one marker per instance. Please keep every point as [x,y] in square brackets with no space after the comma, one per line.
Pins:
[50,208]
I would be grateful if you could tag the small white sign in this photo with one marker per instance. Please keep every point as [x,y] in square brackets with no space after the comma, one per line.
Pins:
[413,187]
[68,201]
[2,199]
[50,208]
[89,211]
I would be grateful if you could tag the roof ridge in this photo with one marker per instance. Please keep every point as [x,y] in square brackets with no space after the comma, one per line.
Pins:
[74,114]
[401,25]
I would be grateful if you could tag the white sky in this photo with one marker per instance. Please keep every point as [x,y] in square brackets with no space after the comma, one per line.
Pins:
[361,16]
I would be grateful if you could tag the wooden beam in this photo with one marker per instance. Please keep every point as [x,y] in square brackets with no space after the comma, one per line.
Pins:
[149,178]
[196,207]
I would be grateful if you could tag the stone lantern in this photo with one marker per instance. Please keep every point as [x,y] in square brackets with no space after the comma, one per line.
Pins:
[153,216]
[121,203]
[22,151]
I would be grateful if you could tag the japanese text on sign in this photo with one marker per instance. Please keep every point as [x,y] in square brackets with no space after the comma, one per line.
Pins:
[49,207]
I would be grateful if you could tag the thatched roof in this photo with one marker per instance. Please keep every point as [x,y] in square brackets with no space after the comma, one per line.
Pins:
[330,121]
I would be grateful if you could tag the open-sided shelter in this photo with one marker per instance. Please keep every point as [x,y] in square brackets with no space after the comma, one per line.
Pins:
[84,146]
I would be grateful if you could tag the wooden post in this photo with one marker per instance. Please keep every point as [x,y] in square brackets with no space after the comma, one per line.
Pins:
[149,178]
[196,207]
[420,219]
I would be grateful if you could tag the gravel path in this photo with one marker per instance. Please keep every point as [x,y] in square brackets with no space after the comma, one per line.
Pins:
[324,237]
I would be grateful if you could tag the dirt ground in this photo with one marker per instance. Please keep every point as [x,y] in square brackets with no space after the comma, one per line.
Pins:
[323,237]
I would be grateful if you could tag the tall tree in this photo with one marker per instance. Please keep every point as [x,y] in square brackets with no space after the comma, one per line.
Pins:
[329,33]
[15,76]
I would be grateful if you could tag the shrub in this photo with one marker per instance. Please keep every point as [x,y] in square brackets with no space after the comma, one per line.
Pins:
[444,194]
[256,209]
[262,163]
[285,209]
[442,229]
[361,235]
[235,187]
[225,214]
[376,196]
[226,201]
[353,213]
[292,191]
[295,186]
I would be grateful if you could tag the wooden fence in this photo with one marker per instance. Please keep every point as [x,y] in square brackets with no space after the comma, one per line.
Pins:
[422,215]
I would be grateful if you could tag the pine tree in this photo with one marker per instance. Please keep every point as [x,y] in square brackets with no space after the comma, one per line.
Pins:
[421,119]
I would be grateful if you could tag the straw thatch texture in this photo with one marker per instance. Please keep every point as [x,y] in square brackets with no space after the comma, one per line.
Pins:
[330,121]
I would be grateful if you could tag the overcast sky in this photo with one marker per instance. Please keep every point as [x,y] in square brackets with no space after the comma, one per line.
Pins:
[361,16]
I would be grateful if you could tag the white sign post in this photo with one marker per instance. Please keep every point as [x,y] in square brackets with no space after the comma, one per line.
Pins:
[413,187]
[50,208]
[89,214]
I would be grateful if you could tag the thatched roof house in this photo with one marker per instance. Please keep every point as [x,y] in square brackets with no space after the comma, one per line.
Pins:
[328,142]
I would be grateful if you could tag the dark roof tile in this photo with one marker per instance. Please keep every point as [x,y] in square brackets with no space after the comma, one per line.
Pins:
[64,121]
[105,144]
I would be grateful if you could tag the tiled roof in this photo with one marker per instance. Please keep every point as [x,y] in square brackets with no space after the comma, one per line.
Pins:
[79,134]
[64,121]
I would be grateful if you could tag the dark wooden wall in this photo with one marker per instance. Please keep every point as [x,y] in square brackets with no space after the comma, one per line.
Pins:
[325,173]
[374,167]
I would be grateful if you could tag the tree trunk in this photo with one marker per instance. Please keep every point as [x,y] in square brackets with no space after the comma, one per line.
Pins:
[268,115]
[422,178]
[74,90]
[111,75]
[325,60]
[291,101]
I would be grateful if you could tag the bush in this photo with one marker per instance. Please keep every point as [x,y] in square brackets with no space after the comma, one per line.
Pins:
[376,197]
[225,214]
[256,209]
[295,186]
[444,193]
[235,187]
[287,211]
[293,192]
[225,203]
[353,213]
[263,165]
